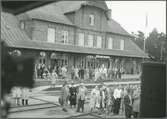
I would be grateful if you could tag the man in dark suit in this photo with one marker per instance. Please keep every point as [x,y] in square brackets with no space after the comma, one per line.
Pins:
[128,103]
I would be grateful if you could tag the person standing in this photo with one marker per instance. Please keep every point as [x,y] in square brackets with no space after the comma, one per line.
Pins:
[73,95]
[112,98]
[82,73]
[124,92]
[25,96]
[117,97]
[107,99]
[53,77]
[64,72]
[76,73]
[16,91]
[136,103]
[82,92]
[102,98]
[72,73]
[64,96]
[128,104]
[94,98]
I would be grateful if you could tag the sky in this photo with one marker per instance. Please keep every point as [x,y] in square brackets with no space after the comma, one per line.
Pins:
[131,15]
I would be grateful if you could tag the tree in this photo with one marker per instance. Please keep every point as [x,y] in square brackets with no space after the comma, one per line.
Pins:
[155,45]
[139,40]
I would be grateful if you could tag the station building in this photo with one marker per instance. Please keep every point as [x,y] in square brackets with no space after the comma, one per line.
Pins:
[72,33]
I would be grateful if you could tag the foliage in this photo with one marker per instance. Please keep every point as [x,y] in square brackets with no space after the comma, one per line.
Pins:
[155,44]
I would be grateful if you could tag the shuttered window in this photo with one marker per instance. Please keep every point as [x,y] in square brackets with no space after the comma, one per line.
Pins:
[81,39]
[110,43]
[90,40]
[122,44]
[51,35]
[99,41]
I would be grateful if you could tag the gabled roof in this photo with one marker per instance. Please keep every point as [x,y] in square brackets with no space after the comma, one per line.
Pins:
[115,27]
[10,31]
[17,38]
[42,14]
[55,12]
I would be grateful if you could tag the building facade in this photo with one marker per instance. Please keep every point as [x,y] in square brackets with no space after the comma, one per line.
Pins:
[80,34]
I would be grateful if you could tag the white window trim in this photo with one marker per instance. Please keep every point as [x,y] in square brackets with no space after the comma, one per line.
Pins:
[92,19]
[99,45]
[122,44]
[81,40]
[110,43]
[51,35]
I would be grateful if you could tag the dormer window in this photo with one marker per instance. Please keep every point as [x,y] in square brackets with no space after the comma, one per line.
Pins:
[91,19]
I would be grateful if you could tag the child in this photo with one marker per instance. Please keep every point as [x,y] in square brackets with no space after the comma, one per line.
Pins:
[25,96]
[16,91]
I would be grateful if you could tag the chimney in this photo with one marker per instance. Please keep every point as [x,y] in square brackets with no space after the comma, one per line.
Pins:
[109,13]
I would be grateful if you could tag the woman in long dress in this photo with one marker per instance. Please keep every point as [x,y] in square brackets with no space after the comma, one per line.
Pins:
[53,78]
[95,98]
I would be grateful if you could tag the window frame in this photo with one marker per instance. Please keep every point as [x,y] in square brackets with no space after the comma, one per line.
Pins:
[91,19]
[64,37]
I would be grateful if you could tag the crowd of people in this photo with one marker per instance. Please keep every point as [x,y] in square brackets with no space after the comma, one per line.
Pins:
[44,72]
[102,98]
[79,73]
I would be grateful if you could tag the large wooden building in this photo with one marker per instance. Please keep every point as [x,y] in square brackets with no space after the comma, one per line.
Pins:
[72,33]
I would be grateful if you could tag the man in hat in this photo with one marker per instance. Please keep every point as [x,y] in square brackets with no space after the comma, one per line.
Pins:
[128,103]
[82,92]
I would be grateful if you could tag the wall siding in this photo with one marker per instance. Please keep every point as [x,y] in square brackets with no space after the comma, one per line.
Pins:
[37,30]
[82,18]
[41,27]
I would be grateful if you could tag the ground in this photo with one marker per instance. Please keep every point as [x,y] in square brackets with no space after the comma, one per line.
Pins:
[44,104]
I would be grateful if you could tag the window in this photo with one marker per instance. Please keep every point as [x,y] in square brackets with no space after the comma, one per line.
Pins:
[91,19]
[110,43]
[99,41]
[90,40]
[81,39]
[64,37]
[51,35]
[122,45]
[22,25]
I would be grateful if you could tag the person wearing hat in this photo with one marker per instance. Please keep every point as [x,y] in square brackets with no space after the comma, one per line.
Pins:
[128,103]
[82,92]
[73,95]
